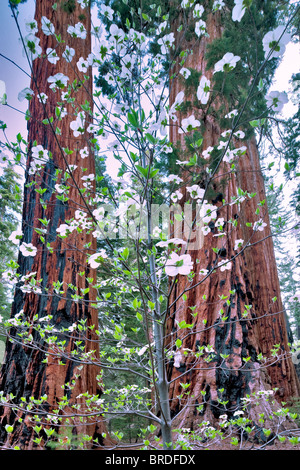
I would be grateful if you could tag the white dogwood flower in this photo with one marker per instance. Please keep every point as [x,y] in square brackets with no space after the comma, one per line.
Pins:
[52,55]
[276,42]
[99,214]
[203,272]
[207,152]
[174,178]
[84,153]
[2,92]
[198,11]
[240,134]
[259,225]
[63,230]
[227,63]
[68,54]
[39,154]
[77,31]
[238,243]
[200,27]
[203,90]
[107,12]
[82,65]
[96,259]
[231,114]
[208,212]
[188,124]
[166,42]
[175,241]
[238,10]
[218,5]
[26,93]
[177,264]
[205,230]
[185,72]
[175,106]
[222,144]
[59,80]
[31,26]
[77,126]
[195,191]
[15,236]
[83,3]
[32,46]
[176,196]
[224,264]
[276,100]
[228,156]
[27,249]
[219,222]
[47,27]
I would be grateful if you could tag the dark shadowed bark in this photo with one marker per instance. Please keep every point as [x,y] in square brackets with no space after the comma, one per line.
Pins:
[24,373]
[251,281]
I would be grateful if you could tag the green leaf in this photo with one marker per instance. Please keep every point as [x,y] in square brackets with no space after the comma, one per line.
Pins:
[125,253]
[193,160]
[134,157]
[142,170]
[153,173]
[139,316]
[136,303]
[150,138]
[133,118]
[47,121]
[152,428]
[151,305]
[183,324]
[49,432]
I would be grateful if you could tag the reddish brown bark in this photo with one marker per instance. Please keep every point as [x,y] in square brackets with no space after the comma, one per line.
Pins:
[23,373]
[252,279]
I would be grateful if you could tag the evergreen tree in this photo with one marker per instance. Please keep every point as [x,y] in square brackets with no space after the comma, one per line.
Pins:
[248,285]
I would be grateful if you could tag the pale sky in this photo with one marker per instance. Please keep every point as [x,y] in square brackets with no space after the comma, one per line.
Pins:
[14,78]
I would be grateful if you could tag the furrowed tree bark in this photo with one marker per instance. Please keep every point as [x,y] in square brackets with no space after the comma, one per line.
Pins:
[252,280]
[24,373]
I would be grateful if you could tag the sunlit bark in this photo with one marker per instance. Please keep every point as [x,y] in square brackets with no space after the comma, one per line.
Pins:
[252,280]
[24,374]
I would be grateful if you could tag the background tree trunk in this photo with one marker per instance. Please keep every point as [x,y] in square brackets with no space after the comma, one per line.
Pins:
[252,280]
[24,374]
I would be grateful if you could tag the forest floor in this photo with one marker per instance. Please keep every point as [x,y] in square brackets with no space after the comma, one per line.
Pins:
[277,446]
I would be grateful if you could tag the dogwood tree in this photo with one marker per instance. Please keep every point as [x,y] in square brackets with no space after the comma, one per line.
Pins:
[164,274]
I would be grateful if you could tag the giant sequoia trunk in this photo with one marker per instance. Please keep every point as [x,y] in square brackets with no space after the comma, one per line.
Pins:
[252,280]
[25,373]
